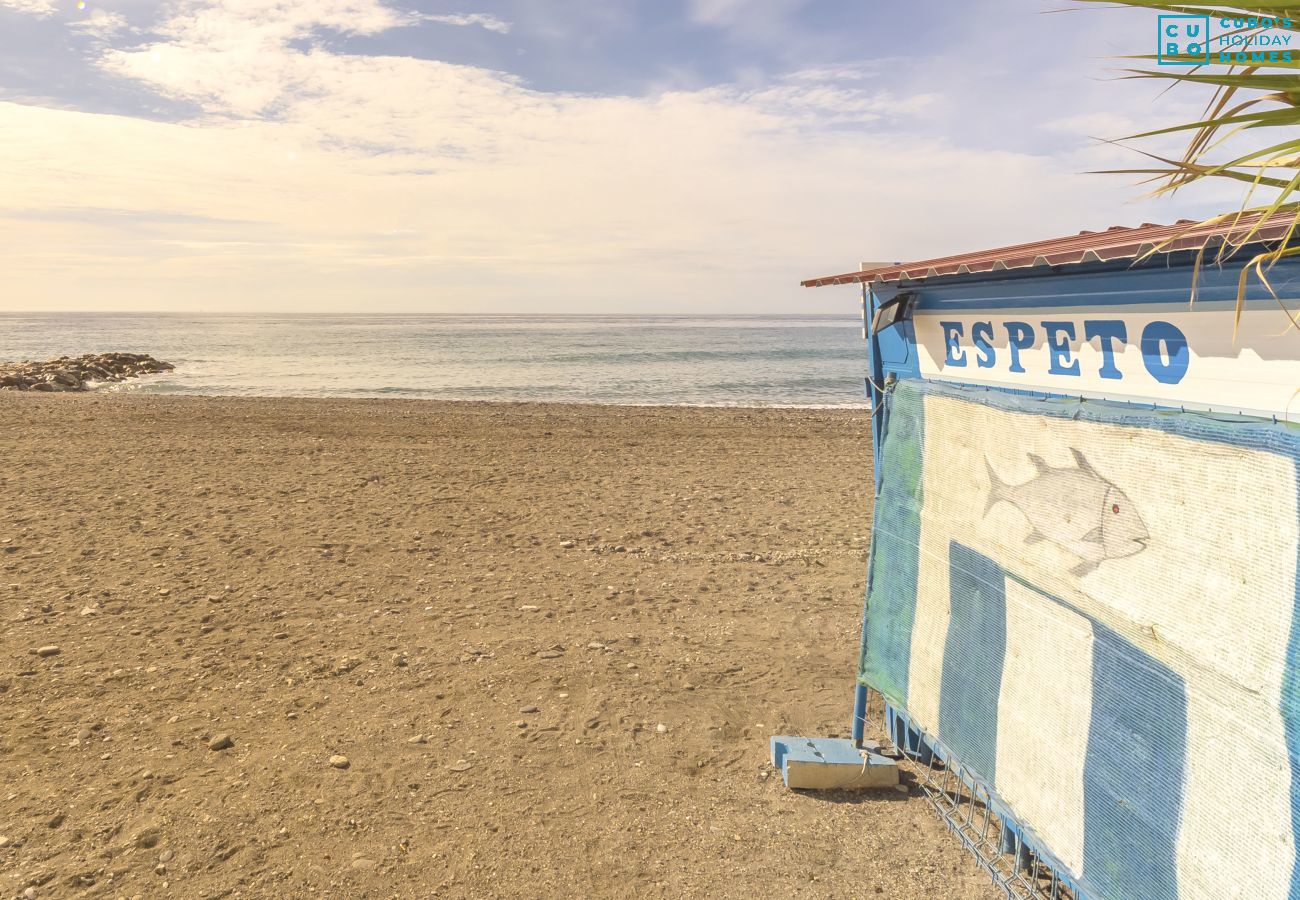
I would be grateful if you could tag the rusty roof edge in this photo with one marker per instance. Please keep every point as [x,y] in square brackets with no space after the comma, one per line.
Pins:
[1113,244]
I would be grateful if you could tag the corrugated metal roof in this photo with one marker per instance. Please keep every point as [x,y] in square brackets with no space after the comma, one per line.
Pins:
[1114,243]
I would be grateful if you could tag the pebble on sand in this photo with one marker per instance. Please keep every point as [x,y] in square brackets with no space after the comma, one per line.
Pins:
[221,742]
[340,762]
[51,650]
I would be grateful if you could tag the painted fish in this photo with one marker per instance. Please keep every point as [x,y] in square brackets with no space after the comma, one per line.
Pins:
[1075,508]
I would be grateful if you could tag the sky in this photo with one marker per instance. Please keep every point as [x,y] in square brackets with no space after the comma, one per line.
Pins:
[549,156]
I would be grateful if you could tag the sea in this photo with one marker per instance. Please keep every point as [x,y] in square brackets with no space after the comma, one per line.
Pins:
[748,361]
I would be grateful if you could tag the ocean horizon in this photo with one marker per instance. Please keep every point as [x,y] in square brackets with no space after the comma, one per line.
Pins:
[815,361]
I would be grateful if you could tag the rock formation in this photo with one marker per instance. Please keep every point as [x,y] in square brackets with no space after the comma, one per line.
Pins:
[80,374]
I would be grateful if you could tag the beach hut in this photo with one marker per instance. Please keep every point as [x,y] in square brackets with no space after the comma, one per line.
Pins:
[1081,609]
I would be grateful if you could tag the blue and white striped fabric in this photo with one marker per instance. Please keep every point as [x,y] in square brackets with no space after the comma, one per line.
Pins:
[1094,608]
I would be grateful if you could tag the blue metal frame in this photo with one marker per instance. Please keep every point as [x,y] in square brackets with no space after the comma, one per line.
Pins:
[875,393]
[1018,843]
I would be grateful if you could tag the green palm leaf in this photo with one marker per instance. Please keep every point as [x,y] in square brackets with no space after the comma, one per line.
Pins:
[1244,98]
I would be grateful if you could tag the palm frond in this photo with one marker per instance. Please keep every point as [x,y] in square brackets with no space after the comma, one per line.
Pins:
[1262,92]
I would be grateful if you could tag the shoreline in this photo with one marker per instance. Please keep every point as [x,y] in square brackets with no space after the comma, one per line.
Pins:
[133,390]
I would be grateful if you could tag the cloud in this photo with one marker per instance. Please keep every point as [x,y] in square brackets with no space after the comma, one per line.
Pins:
[861,70]
[236,55]
[42,8]
[1094,124]
[730,13]
[100,24]
[118,218]
[483,20]
[314,179]
[756,21]
[822,98]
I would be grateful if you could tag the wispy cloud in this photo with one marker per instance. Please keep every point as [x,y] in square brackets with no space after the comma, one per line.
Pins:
[735,12]
[116,218]
[751,20]
[483,20]
[100,24]
[42,8]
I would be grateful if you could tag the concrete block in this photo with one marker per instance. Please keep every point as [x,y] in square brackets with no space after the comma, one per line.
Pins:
[824,764]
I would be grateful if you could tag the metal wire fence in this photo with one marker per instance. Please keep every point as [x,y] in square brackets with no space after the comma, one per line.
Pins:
[965,805]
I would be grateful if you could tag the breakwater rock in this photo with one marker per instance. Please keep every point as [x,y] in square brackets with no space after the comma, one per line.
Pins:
[79,374]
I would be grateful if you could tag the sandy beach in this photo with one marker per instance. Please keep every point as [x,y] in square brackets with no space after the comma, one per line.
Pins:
[412,649]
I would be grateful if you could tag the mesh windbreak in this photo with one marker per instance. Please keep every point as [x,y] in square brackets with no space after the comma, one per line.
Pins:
[1092,608]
